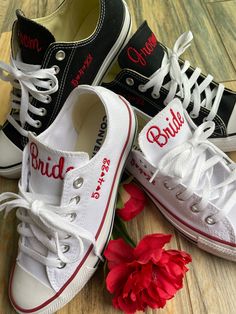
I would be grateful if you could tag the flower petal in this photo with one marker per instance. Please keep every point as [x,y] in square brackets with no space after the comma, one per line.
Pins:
[118,252]
[150,248]
[135,192]
[117,278]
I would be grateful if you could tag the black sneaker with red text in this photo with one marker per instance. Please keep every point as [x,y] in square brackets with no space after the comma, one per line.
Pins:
[50,57]
[152,75]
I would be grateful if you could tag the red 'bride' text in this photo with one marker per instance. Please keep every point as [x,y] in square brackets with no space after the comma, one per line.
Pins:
[47,169]
[161,136]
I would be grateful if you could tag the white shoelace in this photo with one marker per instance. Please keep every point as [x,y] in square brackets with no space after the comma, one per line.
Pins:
[187,88]
[29,81]
[46,226]
[191,161]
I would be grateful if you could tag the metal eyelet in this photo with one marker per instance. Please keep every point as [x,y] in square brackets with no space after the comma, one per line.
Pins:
[210,220]
[155,96]
[60,55]
[130,81]
[204,119]
[165,183]
[56,69]
[193,115]
[38,124]
[62,265]
[78,183]
[43,112]
[68,236]
[76,199]
[194,208]
[51,83]
[72,217]
[65,249]
[142,89]
[178,196]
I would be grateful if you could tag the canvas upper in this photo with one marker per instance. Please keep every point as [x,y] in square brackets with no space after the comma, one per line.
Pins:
[150,75]
[191,181]
[52,55]
[66,200]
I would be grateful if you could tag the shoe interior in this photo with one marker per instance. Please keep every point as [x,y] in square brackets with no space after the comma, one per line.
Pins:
[142,120]
[74,20]
[85,133]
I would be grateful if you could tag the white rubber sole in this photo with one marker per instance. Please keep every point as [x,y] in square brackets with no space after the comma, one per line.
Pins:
[227,144]
[11,173]
[209,245]
[91,263]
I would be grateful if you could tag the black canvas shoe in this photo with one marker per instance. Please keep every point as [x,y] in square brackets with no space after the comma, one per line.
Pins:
[50,57]
[150,76]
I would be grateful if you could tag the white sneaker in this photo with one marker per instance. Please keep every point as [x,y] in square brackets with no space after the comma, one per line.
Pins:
[68,188]
[191,181]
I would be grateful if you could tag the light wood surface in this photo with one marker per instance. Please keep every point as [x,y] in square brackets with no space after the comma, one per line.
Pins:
[210,285]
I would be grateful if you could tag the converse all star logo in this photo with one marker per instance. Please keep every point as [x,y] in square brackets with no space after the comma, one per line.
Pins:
[47,168]
[140,56]
[75,82]
[161,136]
[101,135]
[29,43]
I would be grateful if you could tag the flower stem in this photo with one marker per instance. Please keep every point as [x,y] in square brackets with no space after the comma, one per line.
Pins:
[120,231]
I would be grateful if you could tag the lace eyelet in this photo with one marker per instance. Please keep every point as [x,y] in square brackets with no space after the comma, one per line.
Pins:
[130,81]
[65,249]
[68,236]
[38,124]
[76,199]
[165,183]
[48,99]
[62,265]
[72,217]
[60,55]
[43,112]
[193,115]
[204,119]
[178,196]
[78,183]
[155,96]
[210,220]
[56,69]
[142,89]
[51,83]
[195,209]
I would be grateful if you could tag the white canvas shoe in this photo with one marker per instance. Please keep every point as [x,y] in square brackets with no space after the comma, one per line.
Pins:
[190,180]
[68,188]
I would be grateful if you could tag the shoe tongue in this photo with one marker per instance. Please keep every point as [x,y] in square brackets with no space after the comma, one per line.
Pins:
[48,167]
[143,53]
[168,129]
[33,39]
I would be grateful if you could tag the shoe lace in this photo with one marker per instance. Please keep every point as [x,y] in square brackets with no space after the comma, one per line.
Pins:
[190,164]
[29,82]
[186,87]
[48,226]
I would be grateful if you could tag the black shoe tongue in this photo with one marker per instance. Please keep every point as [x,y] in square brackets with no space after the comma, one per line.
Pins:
[143,53]
[33,39]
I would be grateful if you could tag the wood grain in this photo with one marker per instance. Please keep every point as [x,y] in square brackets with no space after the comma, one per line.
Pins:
[210,284]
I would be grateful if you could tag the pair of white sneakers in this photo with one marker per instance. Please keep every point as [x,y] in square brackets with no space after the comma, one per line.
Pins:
[68,186]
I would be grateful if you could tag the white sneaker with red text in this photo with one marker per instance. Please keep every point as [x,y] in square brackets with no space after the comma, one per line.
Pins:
[189,179]
[68,188]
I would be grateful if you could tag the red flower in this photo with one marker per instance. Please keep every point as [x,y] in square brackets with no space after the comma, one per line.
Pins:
[145,276]
[133,201]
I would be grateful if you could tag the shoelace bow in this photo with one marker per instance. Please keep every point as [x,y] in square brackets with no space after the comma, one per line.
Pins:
[28,81]
[45,225]
[187,88]
[189,160]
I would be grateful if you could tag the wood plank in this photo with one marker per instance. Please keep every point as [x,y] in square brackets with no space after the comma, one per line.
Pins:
[169,19]
[223,16]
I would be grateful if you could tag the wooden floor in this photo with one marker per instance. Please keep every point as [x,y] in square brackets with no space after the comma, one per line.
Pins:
[210,286]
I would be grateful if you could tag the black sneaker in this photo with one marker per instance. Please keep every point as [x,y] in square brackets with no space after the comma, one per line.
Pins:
[151,76]
[50,57]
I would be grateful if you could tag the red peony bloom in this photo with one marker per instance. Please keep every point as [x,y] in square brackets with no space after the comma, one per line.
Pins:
[133,201]
[145,276]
